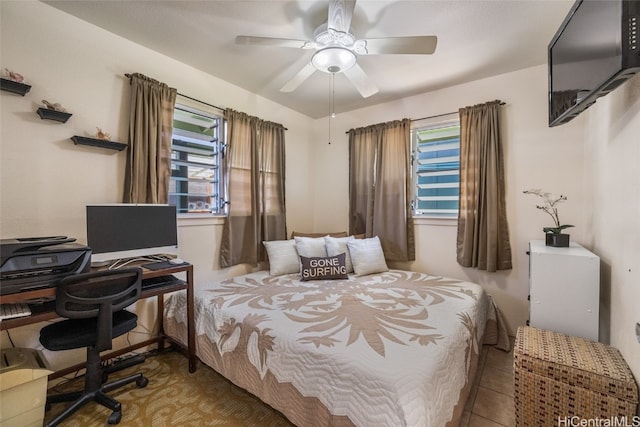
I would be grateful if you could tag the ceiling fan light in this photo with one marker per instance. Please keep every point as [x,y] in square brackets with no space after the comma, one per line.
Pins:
[333,60]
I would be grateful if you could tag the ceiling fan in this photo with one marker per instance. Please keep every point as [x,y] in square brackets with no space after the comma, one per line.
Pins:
[337,49]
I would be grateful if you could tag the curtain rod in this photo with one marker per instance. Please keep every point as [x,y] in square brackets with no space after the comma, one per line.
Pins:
[197,100]
[440,115]
[201,102]
[214,106]
[433,117]
[437,115]
[189,97]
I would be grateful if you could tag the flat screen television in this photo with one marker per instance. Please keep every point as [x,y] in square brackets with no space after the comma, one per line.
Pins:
[594,51]
[118,231]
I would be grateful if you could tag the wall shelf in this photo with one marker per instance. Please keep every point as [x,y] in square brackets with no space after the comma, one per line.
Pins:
[14,87]
[94,142]
[49,114]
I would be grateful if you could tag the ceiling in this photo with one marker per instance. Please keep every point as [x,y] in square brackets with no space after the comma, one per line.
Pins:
[476,39]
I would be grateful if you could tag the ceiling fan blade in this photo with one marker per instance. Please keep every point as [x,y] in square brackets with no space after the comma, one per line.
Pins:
[340,13]
[296,80]
[416,45]
[276,42]
[360,80]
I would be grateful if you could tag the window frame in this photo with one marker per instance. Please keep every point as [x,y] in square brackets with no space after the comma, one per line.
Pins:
[185,143]
[437,122]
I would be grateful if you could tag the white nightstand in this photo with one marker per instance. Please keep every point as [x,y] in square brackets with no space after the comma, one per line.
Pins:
[564,289]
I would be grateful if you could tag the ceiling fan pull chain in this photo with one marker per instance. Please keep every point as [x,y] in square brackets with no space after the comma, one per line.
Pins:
[332,113]
[333,96]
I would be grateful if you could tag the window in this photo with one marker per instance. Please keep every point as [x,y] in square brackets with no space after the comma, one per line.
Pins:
[196,151]
[436,167]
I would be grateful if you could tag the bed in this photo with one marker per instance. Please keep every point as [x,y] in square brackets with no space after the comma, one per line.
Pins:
[393,348]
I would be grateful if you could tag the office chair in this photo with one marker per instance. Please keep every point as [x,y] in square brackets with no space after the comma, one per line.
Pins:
[93,305]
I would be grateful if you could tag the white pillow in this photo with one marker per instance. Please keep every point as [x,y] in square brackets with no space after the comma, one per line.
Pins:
[310,247]
[367,256]
[283,257]
[338,245]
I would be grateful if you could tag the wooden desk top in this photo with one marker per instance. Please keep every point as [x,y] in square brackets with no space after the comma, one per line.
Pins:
[41,312]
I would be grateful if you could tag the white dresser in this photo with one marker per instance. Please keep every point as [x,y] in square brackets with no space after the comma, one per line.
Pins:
[564,289]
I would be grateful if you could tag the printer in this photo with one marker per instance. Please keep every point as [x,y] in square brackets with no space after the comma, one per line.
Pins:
[39,262]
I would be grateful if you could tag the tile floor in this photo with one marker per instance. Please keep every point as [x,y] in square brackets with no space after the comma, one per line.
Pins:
[490,403]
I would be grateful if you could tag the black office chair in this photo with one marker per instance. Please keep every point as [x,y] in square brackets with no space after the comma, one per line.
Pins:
[93,304]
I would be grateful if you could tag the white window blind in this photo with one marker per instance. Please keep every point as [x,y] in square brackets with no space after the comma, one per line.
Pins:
[436,165]
[196,151]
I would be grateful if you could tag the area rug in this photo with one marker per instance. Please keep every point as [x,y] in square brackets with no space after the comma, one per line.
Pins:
[174,397]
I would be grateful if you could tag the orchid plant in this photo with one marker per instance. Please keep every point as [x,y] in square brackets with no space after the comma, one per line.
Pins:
[550,206]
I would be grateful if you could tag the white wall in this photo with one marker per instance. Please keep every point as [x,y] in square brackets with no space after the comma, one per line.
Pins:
[612,192]
[47,180]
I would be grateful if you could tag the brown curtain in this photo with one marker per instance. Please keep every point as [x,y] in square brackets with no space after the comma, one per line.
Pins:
[380,186]
[150,128]
[483,233]
[255,170]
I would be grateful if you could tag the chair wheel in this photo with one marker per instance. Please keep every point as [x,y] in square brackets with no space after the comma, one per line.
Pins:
[142,382]
[115,417]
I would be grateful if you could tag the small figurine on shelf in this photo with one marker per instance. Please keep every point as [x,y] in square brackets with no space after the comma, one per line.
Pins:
[102,135]
[13,76]
[54,106]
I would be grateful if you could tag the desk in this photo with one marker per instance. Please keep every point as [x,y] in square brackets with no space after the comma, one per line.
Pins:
[46,311]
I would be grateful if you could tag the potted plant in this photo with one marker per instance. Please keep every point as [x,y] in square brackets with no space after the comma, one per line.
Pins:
[553,235]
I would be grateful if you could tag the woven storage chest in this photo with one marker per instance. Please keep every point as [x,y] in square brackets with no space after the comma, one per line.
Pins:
[559,376]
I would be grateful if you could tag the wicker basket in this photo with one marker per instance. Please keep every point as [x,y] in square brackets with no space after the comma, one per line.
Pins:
[558,377]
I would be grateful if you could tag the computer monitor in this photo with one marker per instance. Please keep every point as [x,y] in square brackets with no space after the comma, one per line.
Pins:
[117,231]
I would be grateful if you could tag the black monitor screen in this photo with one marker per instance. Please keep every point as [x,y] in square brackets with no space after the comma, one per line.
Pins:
[592,53]
[589,49]
[141,229]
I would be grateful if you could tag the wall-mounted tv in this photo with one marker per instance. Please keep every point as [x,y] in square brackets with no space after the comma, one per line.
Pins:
[594,51]
[119,231]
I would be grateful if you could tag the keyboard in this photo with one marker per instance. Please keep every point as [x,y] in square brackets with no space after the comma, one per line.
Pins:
[159,281]
[18,309]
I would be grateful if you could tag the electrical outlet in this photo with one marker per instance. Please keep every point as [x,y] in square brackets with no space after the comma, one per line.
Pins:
[638,331]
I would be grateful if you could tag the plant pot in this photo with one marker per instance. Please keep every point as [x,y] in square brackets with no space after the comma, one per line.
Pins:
[557,240]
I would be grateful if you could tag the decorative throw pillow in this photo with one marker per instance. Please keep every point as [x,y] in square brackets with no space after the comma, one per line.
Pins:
[338,245]
[323,268]
[367,256]
[283,257]
[310,246]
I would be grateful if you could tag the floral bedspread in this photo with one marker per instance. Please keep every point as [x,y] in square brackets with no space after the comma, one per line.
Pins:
[392,349]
